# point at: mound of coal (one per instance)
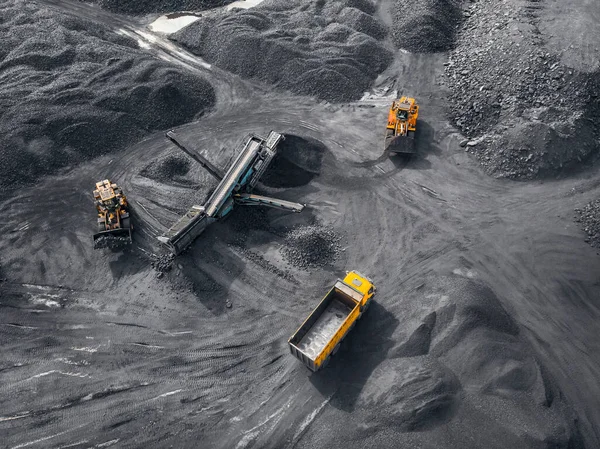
(163, 262)
(72, 90)
(458, 357)
(426, 26)
(311, 246)
(149, 6)
(329, 50)
(411, 399)
(111, 242)
(536, 116)
(168, 168)
(589, 219)
(298, 161)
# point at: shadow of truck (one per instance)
(360, 353)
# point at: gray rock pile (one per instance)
(149, 6)
(588, 218)
(73, 90)
(426, 26)
(330, 50)
(537, 115)
(112, 242)
(168, 168)
(311, 246)
(162, 262)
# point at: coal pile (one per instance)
(329, 50)
(150, 6)
(162, 263)
(168, 168)
(426, 26)
(73, 90)
(535, 116)
(311, 246)
(113, 242)
(588, 218)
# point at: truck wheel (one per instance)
(326, 362)
(337, 347)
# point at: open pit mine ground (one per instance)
(483, 332)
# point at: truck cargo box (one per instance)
(320, 335)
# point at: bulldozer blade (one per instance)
(400, 144)
(113, 239)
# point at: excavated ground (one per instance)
(73, 89)
(482, 333)
(525, 88)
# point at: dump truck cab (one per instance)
(362, 284)
(321, 334)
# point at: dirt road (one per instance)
(97, 350)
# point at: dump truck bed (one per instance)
(327, 324)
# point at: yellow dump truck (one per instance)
(321, 334)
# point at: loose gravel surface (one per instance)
(168, 168)
(150, 6)
(589, 219)
(482, 333)
(311, 246)
(330, 50)
(426, 26)
(73, 90)
(527, 113)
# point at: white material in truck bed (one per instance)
(324, 328)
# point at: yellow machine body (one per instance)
(402, 126)
(114, 223)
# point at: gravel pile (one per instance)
(72, 90)
(265, 264)
(589, 219)
(112, 242)
(163, 262)
(427, 26)
(311, 246)
(330, 50)
(149, 6)
(536, 117)
(168, 168)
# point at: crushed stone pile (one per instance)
(471, 352)
(588, 218)
(168, 168)
(330, 50)
(532, 116)
(112, 242)
(73, 90)
(311, 246)
(427, 26)
(162, 262)
(150, 6)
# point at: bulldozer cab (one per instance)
(402, 114)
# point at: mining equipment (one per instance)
(402, 126)
(254, 155)
(321, 334)
(114, 222)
